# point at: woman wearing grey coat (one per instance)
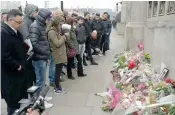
(30, 14)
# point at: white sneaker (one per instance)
(47, 105)
(100, 55)
(48, 98)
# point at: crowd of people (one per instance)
(45, 38)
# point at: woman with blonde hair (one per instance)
(57, 42)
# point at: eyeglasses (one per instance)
(18, 22)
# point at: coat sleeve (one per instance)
(34, 35)
(57, 41)
(6, 58)
(110, 27)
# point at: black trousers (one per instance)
(30, 72)
(58, 71)
(103, 45)
(96, 43)
(11, 110)
(88, 48)
(79, 66)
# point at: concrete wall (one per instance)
(159, 40)
(134, 30)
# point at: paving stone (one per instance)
(70, 99)
(68, 110)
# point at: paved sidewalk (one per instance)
(80, 98)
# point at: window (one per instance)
(162, 8)
(155, 4)
(171, 7)
(149, 8)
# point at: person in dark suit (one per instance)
(13, 61)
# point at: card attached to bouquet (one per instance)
(28, 45)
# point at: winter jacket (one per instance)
(107, 27)
(28, 20)
(58, 46)
(73, 43)
(13, 54)
(98, 26)
(38, 36)
(88, 28)
(80, 33)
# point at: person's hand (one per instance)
(34, 112)
(67, 35)
(20, 67)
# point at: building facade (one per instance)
(7, 5)
(153, 23)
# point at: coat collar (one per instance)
(11, 31)
(8, 28)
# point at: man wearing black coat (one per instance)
(97, 25)
(88, 30)
(13, 61)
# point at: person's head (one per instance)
(15, 19)
(71, 22)
(58, 12)
(87, 15)
(31, 11)
(4, 16)
(80, 20)
(105, 16)
(57, 22)
(97, 16)
(74, 16)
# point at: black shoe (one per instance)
(72, 78)
(85, 64)
(94, 63)
(82, 75)
(104, 53)
(87, 58)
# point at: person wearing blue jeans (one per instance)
(52, 72)
(41, 48)
(40, 71)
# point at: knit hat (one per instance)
(29, 10)
(86, 13)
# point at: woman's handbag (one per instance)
(71, 52)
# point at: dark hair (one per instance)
(4, 13)
(80, 18)
(70, 21)
(37, 9)
(14, 13)
(86, 13)
(105, 13)
(74, 14)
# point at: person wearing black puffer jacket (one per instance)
(41, 48)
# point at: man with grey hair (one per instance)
(13, 61)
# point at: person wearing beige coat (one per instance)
(57, 43)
